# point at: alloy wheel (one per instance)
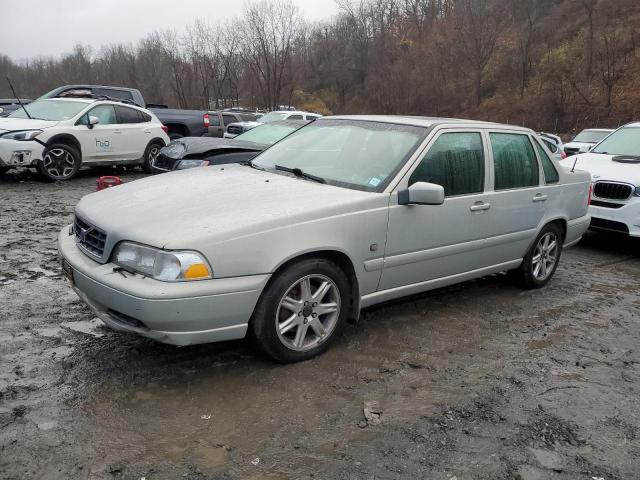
(545, 256)
(153, 153)
(308, 312)
(59, 163)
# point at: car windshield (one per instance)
(267, 134)
(625, 141)
(54, 110)
(272, 117)
(590, 136)
(355, 154)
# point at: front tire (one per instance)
(59, 162)
(150, 154)
(301, 311)
(541, 262)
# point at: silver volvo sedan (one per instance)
(345, 213)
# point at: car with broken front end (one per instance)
(191, 152)
(345, 213)
(58, 136)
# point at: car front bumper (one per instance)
(181, 313)
(15, 153)
(625, 219)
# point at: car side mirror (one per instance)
(92, 121)
(422, 193)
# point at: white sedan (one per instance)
(59, 135)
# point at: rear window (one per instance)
(227, 119)
(119, 94)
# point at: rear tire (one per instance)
(541, 261)
(301, 311)
(150, 154)
(59, 162)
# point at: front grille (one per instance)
(609, 225)
(234, 130)
(612, 191)
(89, 238)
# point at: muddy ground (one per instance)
(479, 381)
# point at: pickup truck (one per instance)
(180, 123)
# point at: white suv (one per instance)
(57, 136)
(614, 165)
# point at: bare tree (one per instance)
(269, 30)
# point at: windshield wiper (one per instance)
(250, 163)
(301, 174)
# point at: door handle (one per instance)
(540, 198)
(478, 207)
(117, 131)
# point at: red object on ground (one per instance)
(107, 182)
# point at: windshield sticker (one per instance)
(375, 181)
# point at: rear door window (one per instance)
(128, 115)
(455, 161)
(550, 172)
(514, 161)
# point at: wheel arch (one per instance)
(559, 220)
(156, 140)
(67, 139)
(342, 260)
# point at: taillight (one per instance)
(563, 155)
(164, 128)
(205, 118)
(590, 193)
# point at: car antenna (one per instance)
(19, 101)
(575, 162)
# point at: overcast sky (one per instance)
(50, 27)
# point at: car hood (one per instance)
(11, 124)
(189, 146)
(603, 167)
(186, 209)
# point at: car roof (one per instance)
(598, 130)
(70, 99)
(424, 121)
(632, 124)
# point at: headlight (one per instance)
(22, 135)
(185, 164)
(163, 265)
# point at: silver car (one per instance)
(345, 213)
